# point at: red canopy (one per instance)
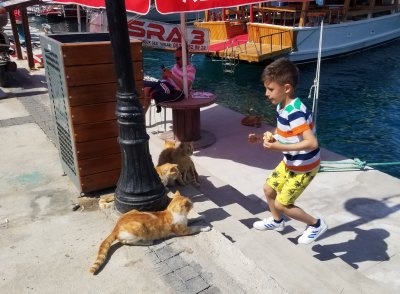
(165, 6)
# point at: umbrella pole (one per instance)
(139, 186)
(78, 16)
(184, 54)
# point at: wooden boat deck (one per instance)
(251, 52)
(250, 42)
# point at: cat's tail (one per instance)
(102, 254)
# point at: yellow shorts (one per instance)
(289, 184)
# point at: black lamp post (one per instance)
(139, 186)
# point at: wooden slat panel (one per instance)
(91, 94)
(95, 53)
(258, 30)
(99, 164)
(222, 30)
(93, 113)
(98, 148)
(100, 181)
(97, 74)
(217, 29)
(96, 131)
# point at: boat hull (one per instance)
(344, 38)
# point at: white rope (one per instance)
(316, 80)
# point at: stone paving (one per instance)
(178, 274)
(356, 205)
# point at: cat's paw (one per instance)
(205, 229)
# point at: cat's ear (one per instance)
(188, 204)
(189, 146)
(177, 193)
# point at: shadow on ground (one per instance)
(355, 250)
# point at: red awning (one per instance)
(169, 6)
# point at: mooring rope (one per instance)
(315, 87)
(356, 163)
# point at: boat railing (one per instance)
(292, 16)
(272, 40)
(248, 45)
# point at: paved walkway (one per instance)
(49, 247)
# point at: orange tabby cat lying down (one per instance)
(137, 228)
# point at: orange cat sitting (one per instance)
(137, 228)
(181, 156)
(169, 174)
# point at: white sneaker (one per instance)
(269, 224)
(311, 233)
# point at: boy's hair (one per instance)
(281, 71)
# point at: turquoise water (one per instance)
(358, 106)
(359, 100)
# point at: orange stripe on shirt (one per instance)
(304, 168)
(294, 132)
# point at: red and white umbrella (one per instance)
(168, 7)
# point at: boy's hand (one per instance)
(253, 139)
(271, 145)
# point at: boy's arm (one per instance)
(309, 142)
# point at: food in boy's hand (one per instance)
(269, 137)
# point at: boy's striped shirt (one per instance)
(292, 121)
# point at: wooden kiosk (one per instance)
(82, 88)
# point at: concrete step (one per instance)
(276, 253)
(232, 213)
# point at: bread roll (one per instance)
(269, 137)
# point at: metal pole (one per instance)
(78, 16)
(139, 186)
(15, 34)
(184, 54)
(27, 34)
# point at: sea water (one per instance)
(358, 113)
(358, 103)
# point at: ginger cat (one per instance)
(169, 144)
(136, 227)
(169, 174)
(181, 156)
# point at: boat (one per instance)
(71, 11)
(269, 30)
(49, 11)
(56, 11)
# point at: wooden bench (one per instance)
(186, 115)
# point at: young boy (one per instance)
(294, 137)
